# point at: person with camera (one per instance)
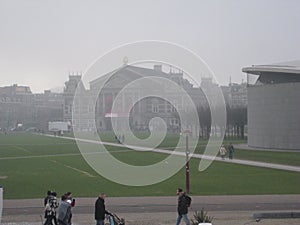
(51, 204)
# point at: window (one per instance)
(154, 108)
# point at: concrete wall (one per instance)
(274, 116)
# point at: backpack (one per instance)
(188, 200)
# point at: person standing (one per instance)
(1, 201)
(64, 211)
(51, 205)
(223, 152)
(231, 151)
(47, 197)
(183, 204)
(71, 201)
(100, 210)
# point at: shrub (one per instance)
(201, 217)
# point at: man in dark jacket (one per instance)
(231, 151)
(182, 207)
(100, 210)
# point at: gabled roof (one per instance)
(127, 74)
(132, 72)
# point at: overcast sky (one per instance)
(41, 41)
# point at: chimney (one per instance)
(157, 68)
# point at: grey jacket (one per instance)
(64, 213)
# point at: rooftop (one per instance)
(290, 67)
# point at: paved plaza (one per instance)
(227, 210)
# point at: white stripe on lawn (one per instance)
(73, 168)
(67, 154)
(197, 156)
(21, 148)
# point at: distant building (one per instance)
(16, 106)
(85, 117)
(226, 93)
(79, 114)
(238, 95)
(48, 108)
(209, 87)
(274, 105)
(235, 95)
(68, 95)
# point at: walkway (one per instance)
(227, 210)
(197, 156)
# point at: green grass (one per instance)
(286, 158)
(58, 167)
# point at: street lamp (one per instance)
(187, 164)
(1, 201)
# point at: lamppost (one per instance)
(187, 164)
(1, 201)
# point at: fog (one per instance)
(41, 41)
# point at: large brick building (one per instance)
(85, 116)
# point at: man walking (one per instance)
(100, 210)
(183, 204)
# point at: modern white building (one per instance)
(274, 105)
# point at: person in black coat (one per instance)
(100, 210)
(231, 151)
(182, 207)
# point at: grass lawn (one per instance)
(171, 140)
(30, 165)
(287, 158)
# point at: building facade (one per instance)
(93, 111)
(274, 106)
(48, 107)
(238, 95)
(18, 105)
(148, 108)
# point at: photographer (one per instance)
(51, 204)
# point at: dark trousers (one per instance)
(99, 222)
(61, 223)
(49, 220)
